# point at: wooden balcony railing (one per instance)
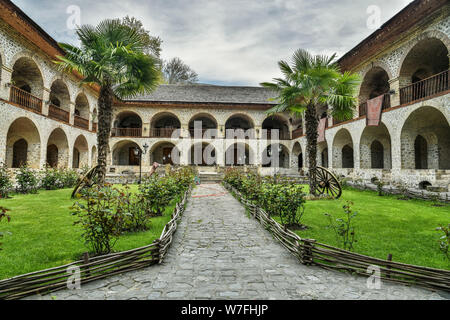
(282, 135)
(57, 113)
(25, 99)
(81, 122)
(162, 132)
(297, 133)
(126, 132)
(425, 88)
(363, 106)
(192, 132)
(94, 127)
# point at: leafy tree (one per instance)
(113, 57)
(311, 83)
(176, 71)
(152, 44)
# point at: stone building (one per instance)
(48, 119)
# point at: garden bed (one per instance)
(55, 278)
(311, 252)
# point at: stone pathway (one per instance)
(220, 253)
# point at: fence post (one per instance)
(307, 254)
(86, 261)
(389, 258)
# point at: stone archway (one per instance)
(23, 144)
(124, 155)
(276, 155)
(375, 148)
(428, 138)
(165, 153)
(58, 149)
(80, 153)
(343, 155)
(297, 156)
(239, 154)
(202, 154)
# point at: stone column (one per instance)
(71, 113)
(184, 130)
(45, 101)
(395, 85)
(145, 129)
(5, 77)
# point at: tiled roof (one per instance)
(202, 93)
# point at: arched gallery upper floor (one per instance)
(30, 80)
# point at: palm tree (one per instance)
(112, 56)
(311, 83)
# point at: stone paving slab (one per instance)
(219, 252)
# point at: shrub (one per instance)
(157, 193)
(3, 215)
(5, 182)
(51, 179)
(136, 217)
(444, 240)
(233, 177)
(69, 178)
(344, 227)
(26, 180)
(285, 200)
(101, 216)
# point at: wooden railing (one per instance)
(192, 132)
(386, 105)
(81, 122)
(57, 113)
(126, 132)
(297, 133)
(162, 132)
(25, 99)
(94, 127)
(425, 88)
(282, 135)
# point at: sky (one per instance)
(228, 42)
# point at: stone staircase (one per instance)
(210, 177)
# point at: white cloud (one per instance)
(229, 41)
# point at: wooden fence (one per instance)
(54, 279)
(311, 252)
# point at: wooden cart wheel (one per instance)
(327, 183)
(85, 182)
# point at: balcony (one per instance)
(425, 88)
(94, 127)
(282, 135)
(81, 122)
(57, 113)
(297, 133)
(25, 99)
(126, 132)
(363, 106)
(162, 132)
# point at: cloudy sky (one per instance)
(229, 42)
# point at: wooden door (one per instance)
(167, 156)
(133, 159)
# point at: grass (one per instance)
(384, 225)
(43, 235)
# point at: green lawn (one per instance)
(43, 235)
(384, 225)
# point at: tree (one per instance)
(176, 71)
(112, 56)
(152, 45)
(310, 83)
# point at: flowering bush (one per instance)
(278, 196)
(27, 181)
(3, 215)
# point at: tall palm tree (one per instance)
(310, 83)
(111, 56)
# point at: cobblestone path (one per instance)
(220, 253)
